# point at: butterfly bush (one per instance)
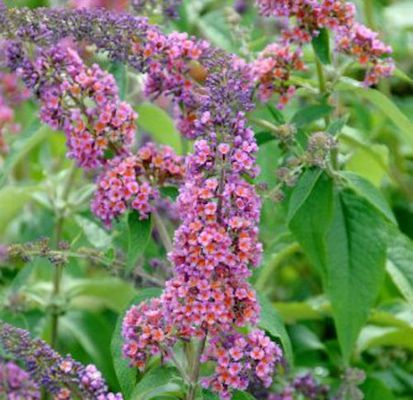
(208, 299)
(16, 384)
(310, 17)
(63, 377)
(131, 182)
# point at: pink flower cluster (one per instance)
(15, 383)
(11, 95)
(84, 103)
(130, 182)
(146, 333)
(173, 69)
(240, 360)
(363, 43)
(273, 69)
(209, 297)
(310, 16)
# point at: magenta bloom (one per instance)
(16, 384)
(132, 182)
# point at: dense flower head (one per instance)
(352, 38)
(83, 102)
(15, 383)
(363, 43)
(173, 61)
(146, 333)
(60, 376)
(132, 182)
(272, 70)
(239, 360)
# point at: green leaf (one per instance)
(321, 46)
(374, 389)
(120, 73)
(208, 395)
(384, 104)
(304, 339)
(302, 191)
(271, 322)
(276, 114)
(241, 395)
(93, 332)
(214, 27)
(379, 336)
(264, 137)
(369, 160)
(110, 292)
(157, 382)
(125, 374)
(133, 236)
(12, 200)
(95, 235)
(310, 214)
(336, 126)
(355, 258)
(160, 125)
(399, 263)
(29, 139)
(365, 189)
(309, 114)
(343, 236)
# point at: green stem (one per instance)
(265, 124)
(195, 367)
(58, 271)
(322, 85)
(369, 13)
(163, 232)
(278, 258)
(100, 260)
(322, 82)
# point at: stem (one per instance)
(58, 271)
(178, 365)
(101, 260)
(369, 13)
(276, 260)
(195, 366)
(163, 232)
(265, 124)
(322, 85)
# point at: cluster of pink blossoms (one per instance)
(209, 296)
(11, 95)
(15, 383)
(311, 16)
(273, 67)
(239, 359)
(130, 182)
(146, 333)
(174, 69)
(84, 103)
